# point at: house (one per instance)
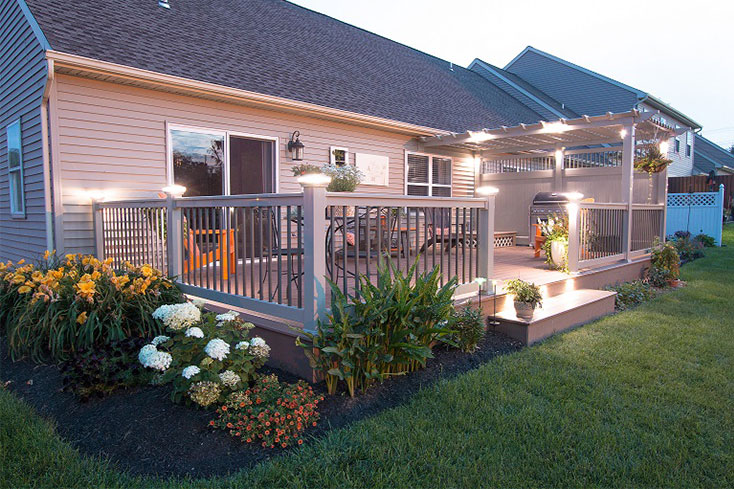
(710, 156)
(110, 110)
(565, 89)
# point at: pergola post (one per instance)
(628, 182)
(558, 169)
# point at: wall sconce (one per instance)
(295, 146)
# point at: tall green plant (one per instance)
(384, 329)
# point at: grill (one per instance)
(545, 205)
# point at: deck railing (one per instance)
(272, 253)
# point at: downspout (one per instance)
(47, 178)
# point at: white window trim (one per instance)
(16, 213)
(225, 135)
(332, 160)
(430, 183)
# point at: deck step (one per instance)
(559, 313)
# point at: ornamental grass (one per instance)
(59, 306)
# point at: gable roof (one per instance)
(280, 49)
(708, 156)
(582, 90)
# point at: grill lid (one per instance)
(550, 198)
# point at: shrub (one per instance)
(99, 371)
(344, 178)
(62, 306)
(525, 292)
(208, 355)
(271, 413)
(630, 294)
(664, 265)
(467, 328)
(688, 249)
(384, 329)
(706, 240)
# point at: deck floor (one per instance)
(251, 279)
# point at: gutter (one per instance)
(96, 67)
(47, 178)
(662, 106)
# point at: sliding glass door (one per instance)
(251, 165)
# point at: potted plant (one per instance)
(344, 178)
(527, 298)
(651, 160)
(304, 169)
(555, 230)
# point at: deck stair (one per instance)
(559, 313)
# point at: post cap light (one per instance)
(174, 190)
(487, 190)
(314, 180)
(573, 196)
(295, 146)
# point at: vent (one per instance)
(163, 3)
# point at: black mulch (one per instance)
(143, 432)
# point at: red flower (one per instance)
(300, 442)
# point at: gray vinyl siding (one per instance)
(22, 81)
(583, 93)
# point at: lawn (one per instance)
(639, 399)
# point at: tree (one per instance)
(731, 149)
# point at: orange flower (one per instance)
(81, 318)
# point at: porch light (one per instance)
(295, 146)
(573, 196)
(623, 133)
(664, 147)
(314, 180)
(479, 137)
(487, 190)
(555, 127)
(174, 190)
(96, 195)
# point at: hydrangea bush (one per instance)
(207, 357)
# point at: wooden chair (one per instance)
(539, 241)
(195, 258)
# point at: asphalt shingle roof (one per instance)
(708, 156)
(278, 48)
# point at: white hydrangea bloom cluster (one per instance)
(227, 316)
(259, 348)
(194, 332)
(178, 316)
(150, 357)
(190, 371)
(242, 345)
(159, 339)
(218, 349)
(229, 378)
(200, 303)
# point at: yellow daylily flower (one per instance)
(81, 318)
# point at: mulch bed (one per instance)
(143, 432)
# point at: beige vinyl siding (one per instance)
(22, 81)
(113, 137)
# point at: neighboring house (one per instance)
(108, 94)
(565, 89)
(709, 156)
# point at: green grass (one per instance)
(640, 399)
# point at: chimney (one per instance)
(163, 3)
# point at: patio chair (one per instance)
(214, 240)
(438, 223)
(278, 252)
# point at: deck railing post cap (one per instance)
(314, 180)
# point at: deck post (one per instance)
(485, 257)
(314, 253)
(97, 218)
(174, 257)
(574, 243)
(628, 182)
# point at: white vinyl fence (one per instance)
(699, 212)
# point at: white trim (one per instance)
(226, 190)
(430, 183)
(332, 161)
(17, 213)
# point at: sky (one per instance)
(680, 51)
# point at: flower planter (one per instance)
(558, 253)
(524, 311)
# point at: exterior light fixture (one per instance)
(96, 195)
(295, 146)
(487, 190)
(664, 147)
(573, 196)
(314, 180)
(174, 190)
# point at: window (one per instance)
(15, 170)
(688, 143)
(428, 175)
(338, 156)
(677, 145)
(210, 162)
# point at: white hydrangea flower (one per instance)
(145, 353)
(259, 348)
(190, 371)
(242, 345)
(194, 332)
(200, 303)
(150, 357)
(178, 316)
(217, 349)
(159, 339)
(227, 316)
(229, 378)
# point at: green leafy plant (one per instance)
(344, 178)
(706, 240)
(270, 413)
(631, 294)
(385, 329)
(664, 264)
(304, 169)
(207, 356)
(101, 370)
(555, 229)
(525, 292)
(63, 305)
(467, 328)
